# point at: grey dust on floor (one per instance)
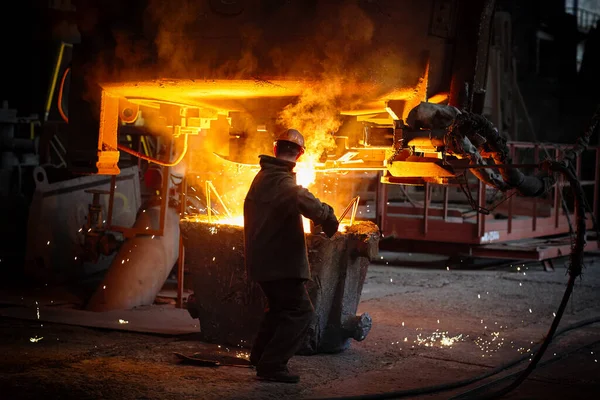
(430, 326)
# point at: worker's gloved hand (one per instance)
(330, 226)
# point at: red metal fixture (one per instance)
(515, 235)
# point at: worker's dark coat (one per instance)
(273, 233)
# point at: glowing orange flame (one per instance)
(305, 173)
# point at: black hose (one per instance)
(467, 394)
(464, 382)
(565, 167)
(574, 271)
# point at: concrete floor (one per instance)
(431, 327)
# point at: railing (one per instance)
(523, 220)
(586, 20)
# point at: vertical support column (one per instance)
(513, 157)
(596, 182)
(164, 198)
(108, 155)
(164, 193)
(557, 193)
(481, 204)
(578, 175)
(111, 200)
(474, 19)
(181, 258)
(382, 195)
(445, 209)
(139, 149)
(426, 208)
(536, 160)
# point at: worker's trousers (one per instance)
(284, 326)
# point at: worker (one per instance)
(276, 256)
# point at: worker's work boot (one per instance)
(281, 375)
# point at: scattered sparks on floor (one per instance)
(244, 355)
(122, 321)
(490, 345)
(438, 338)
(35, 339)
(523, 350)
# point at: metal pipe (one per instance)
(141, 267)
(54, 80)
(354, 210)
(348, 207)
(58, 154)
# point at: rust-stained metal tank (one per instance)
(230, 307)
